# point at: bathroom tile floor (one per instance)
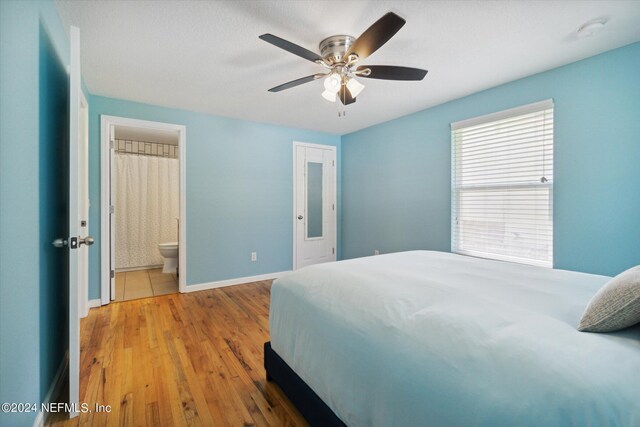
(144, 283)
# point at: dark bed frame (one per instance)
(315, 411)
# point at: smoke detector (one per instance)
(592, 27)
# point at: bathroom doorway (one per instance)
(143, 202)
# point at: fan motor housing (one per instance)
(333, 48)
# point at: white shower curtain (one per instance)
(146, 208)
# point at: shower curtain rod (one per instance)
(155, 149)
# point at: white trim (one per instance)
(105, 123)
(504, 114)
(105, 272)
(238, 281)
(93, 303)
(54, 389)
(333, 148)
(311, 145)
(295, 208)
(182, 222)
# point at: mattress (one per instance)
(436, 339)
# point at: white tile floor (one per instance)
(144, 283)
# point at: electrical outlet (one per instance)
(254, 256)
(376, 252)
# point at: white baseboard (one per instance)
(93, 303)
(54, 389)
(231, 282)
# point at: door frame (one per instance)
(83, 133)
(106, 122)
(297, 144)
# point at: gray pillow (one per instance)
(615, 306)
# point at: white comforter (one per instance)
(436, 339)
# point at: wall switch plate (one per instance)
(254, 256)
(376, 252)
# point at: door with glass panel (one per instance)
(314, 204)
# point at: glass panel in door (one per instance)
(314, 200)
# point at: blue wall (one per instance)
(396, 182)
(32, 43)
(239, 190)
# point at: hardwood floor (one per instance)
(181, 359)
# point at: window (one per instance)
(502, 185)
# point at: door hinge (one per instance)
(112, 209)
(333, 206)
(113, 274)
(333, 250)
(333, 162)
(111, 144)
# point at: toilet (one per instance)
(169, 251)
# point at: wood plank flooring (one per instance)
(181, 359)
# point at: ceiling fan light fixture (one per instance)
(329, 96)
(355, 87)
(333, 83)
(340, 55)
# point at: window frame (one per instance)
(457, 189)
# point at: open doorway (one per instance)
(143, 209)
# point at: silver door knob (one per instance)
(86, 241)
(60, 243)
(299, 216)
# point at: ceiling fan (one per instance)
(340, 56)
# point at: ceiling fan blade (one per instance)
(297, 82)
(391, 72)
(376, 35)
(345, 95)
(291, 47)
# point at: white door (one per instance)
(83, 205)
(76, 185)
(314, 204)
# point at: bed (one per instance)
(427, 338)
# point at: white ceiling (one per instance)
(131, 133)
(206, 56)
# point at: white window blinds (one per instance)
(502, 185)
